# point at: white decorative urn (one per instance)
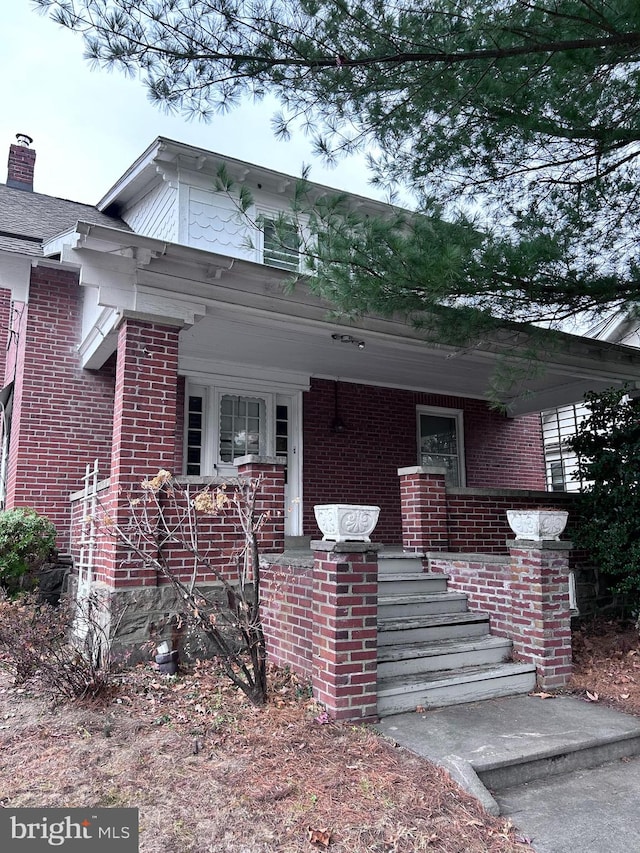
(537, 523)
(346, 522)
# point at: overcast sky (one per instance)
(89, 126)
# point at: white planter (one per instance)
(346, 522)
(537, 523)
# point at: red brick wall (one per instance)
(287, 597)
(486, 583)
(62, 416)
(540, 613)
(144, 428)
(321, 619)
(219, 537)
(478, 523)
(360, 464)
(501, 452)
(144, 414)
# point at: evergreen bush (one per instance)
(608, 447)
(27, 540)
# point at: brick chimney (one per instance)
(21, 163)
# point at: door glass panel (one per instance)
(242, 426)
(282, 431)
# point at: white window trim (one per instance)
(458, 415)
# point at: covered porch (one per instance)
(216, 359)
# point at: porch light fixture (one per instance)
(337, 424)
(348, 339)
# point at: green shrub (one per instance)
(27, 540)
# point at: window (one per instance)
(558, 425)
(281, 245)
(440, 442)
(194, 434)
(556, 477)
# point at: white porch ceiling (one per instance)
(245, 323)
(266, 344)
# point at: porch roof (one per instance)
(244, 320)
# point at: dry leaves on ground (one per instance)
(606, 656)
(210, 773)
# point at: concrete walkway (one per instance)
(565, 771)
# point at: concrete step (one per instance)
(573, 757)
(420, 604)
(401, 694)
(425, 629)
(417, 658)
(406, 583)
(403, 563)
(513, 742)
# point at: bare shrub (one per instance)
(165, 519)
(39, 641)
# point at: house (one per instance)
(152, 331)
(559, 424)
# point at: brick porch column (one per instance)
(144, 428)
(540, 614)
(345, 631)
(271, 497)
(423, 502)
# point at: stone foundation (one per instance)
(142, 617)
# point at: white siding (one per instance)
(205, 219)
(214, 223)
(156, 215)
(560, 424)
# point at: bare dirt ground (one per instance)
(209, 772)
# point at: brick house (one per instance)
(152, 331)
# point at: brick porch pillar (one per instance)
(423, 502)
(540, 614)
(144, 428)
(270, 502)
(345, 632)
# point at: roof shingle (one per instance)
(27, 219)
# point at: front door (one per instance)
(223, 423)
